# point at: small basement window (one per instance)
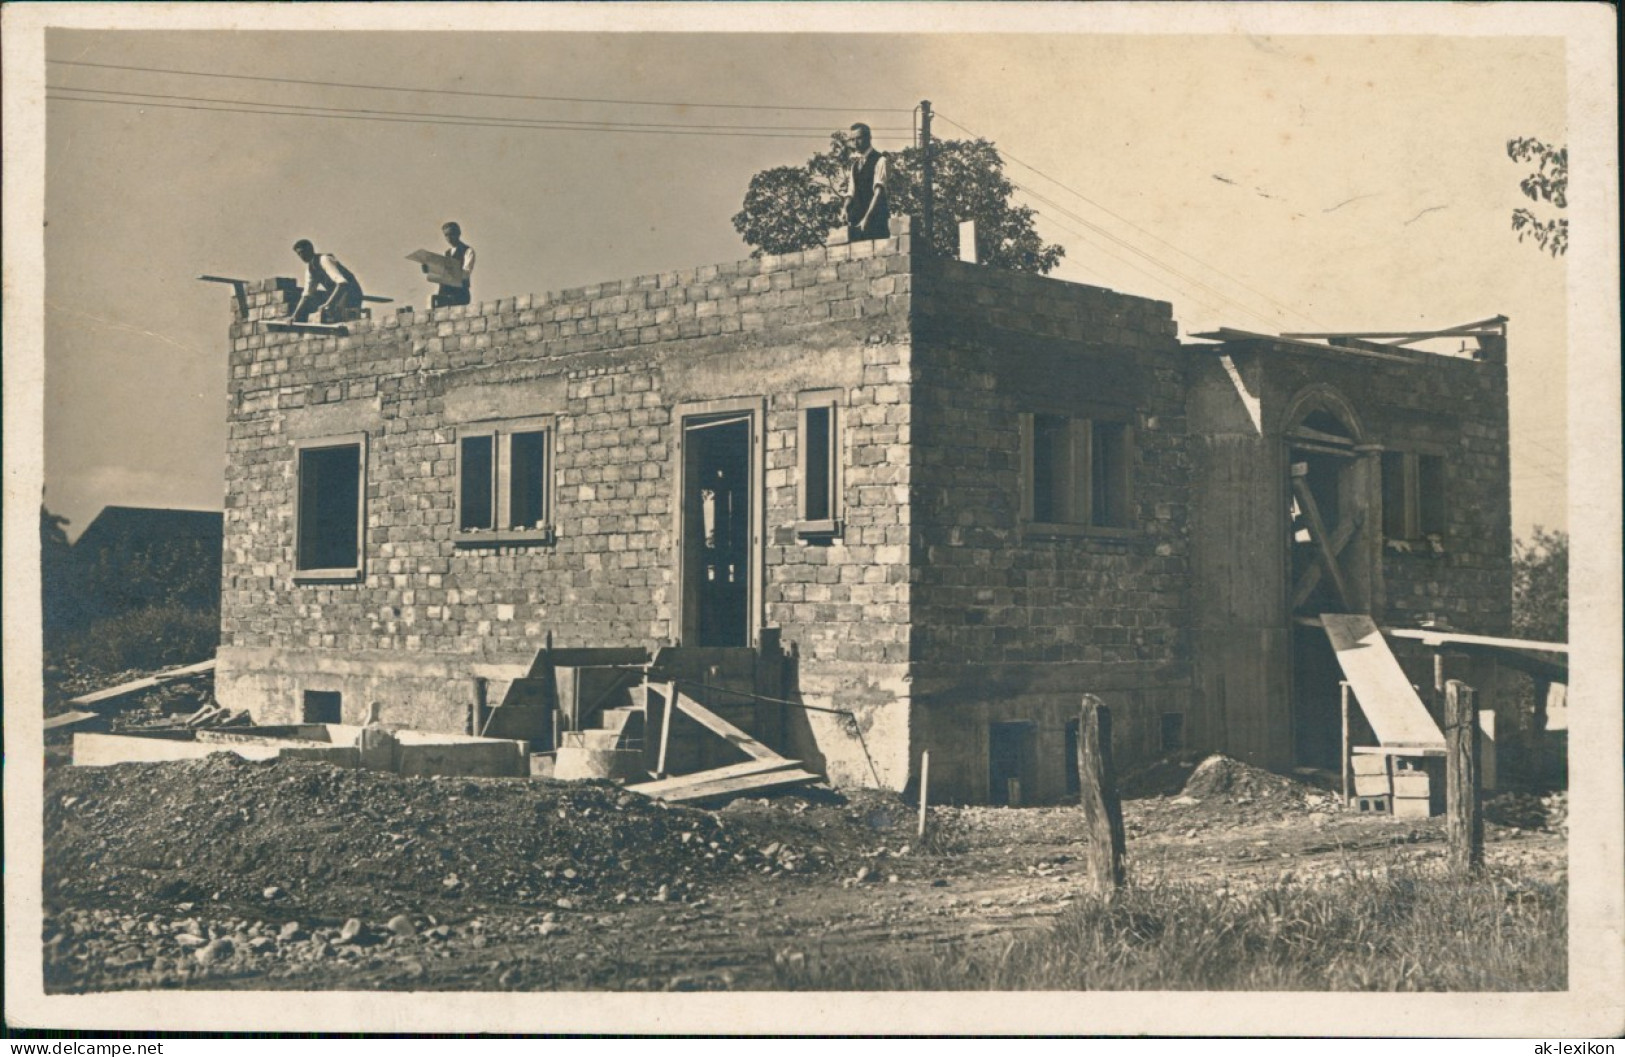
(329, 508)
(505, 484)
(1077, 472)
(322, 706)
(818, 462)
(1413, 495)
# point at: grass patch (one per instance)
(1382, 930)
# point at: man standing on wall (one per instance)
(868, 213)
(324, 275)
(463, 254)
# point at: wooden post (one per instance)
(1097, 782)
(1463, 800)
(1343, 761)
(665, 727)
(925, 783)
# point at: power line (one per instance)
(426, 121)
(482, 95)
(539, 122)
(1130, 264)
(1238, 306)
(1143, 231)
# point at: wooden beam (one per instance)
(1433, 637)
(1311, 576)
(665, 728)
(679, 782)
(1229, 334)
(721, 727)
(239, 287)
(113, 693)
(1449, 332)
(1317, 532)
(742, 784)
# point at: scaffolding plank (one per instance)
(1386, 697)
(743, 784)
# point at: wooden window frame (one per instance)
(1414, 527)
(1080, 430)
(333, 574)
(503, 532)
(831, 526)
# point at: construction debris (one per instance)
(112, 695)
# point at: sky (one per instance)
(1263, 182)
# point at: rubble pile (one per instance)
(312, 838)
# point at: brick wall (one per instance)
(612, 362)
(1012, 624)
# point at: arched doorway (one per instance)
(1331, 567)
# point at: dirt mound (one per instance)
(321, 838)
(1165, 776)
(1220, 775)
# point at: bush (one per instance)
(149, 638)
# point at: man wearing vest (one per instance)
(868, 213)
(463, 254)
(324, 275)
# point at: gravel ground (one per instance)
(223, 873)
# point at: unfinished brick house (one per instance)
(938, 500)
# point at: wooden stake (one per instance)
(665, 727)
(1097, 781)
(1464, 825)
(925, 782)
(1343, 764)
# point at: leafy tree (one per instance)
(1540, 587)
(792, 208)
(1548, 183)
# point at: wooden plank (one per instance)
(135, 686)
(744, 784)
(1340, 541)
(1317, 530)
(680, 782)
(1386, 696)
(1102, 810)
(1465, 328)
(283, 327)
(1398, 751)
(1432, 637)
(670, 694)
(71, 720)
(721, 727)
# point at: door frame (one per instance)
(684, 624)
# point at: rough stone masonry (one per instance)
(948, 499)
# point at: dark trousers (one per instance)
(449, 295)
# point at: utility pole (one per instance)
(928, 191)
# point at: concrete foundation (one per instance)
(403, 752)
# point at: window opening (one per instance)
(1078, 471)
(322, 706)
(477, 506)
(329, 519)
